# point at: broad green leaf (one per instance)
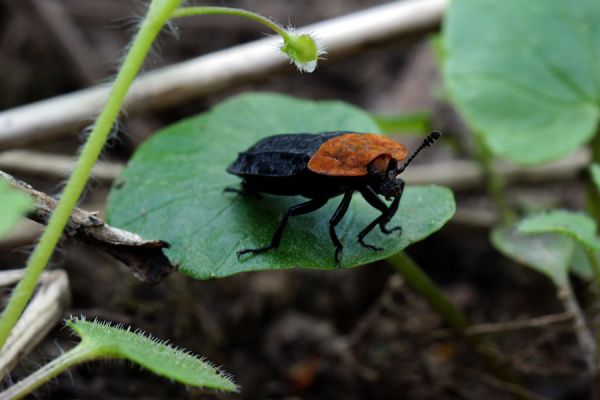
(163, 359)
(525, 73)
(595, 169)
(172, 189)
(14, 205)
(573, 224)
(547, 253)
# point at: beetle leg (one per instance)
(364, 233)
(386, 215)
(298, 209)
(369, 195)
(335, 219)
(391, 211)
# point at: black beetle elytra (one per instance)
(324, 165)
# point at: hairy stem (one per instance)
(189, 11)
(419, 281)
(158, 14)
(77, 355)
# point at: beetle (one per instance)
(320, 166)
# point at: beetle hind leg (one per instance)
(298, 209)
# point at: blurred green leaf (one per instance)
(436, 43)
(14, 205)
(525, 73)
(580, 264)
(577, 225)
(163, 359)
(418, 123)
(547, 253)
(172, 189)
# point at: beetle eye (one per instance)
(392, 165)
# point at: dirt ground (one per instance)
(298, 334)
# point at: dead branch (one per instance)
(206, 74)
(53, 165)
(531, 323)
(44, 311)
(144, 257)
(464, 174)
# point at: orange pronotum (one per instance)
(351, 154)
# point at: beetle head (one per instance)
(382, 177)
(383, 170)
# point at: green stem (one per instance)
(583, 333)
(496, 186)
(189, 11)
(593, 260)
(158, 14)
(436, 298)
(593, 193)
(77, 355)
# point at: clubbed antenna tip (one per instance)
(428, 141)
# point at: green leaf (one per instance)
(547, 253)
(573, 224)
(525, 73)
(172, 189)
(580, 265)
(417, 123)
(106, 341)
(14, 205)
(595, 169)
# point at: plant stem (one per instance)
(77, 355)
(495, 183)
(593, 260)
(593, 193)
(582, 331)
(158, 14)
(189, 11)
(436, 298)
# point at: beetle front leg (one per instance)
(391, 211)
(298, 209)
(387, 213)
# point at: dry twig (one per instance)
(144, 257)
(53, 165)
(43, 312)
(531, 323)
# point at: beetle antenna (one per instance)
(428, 141)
